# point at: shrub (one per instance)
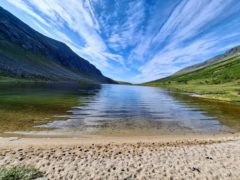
(19, 173)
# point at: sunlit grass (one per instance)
(220, 81)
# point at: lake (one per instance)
(72, 110)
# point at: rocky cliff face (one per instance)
(26, 53)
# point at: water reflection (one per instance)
(25, 106)
(72, 110)
(132, 110)
(227, 114)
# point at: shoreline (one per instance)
(208, 95)
(152, 157)
(102, 140)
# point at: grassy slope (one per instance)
(123, 83)
(26, 66)
(4, 79)
(34, 63)
(220, 81)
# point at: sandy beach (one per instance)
(186, 157)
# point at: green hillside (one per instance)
(21, 65)
(27, 55)
(219, 81)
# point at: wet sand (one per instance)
(153, 157)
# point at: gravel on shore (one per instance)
(208, 158)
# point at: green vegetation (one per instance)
(36, 66)
(5, 79)
(220, 81)
(123, 83)
(20, 173)
(27, 54)
(18, 65)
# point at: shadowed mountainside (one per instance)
(27, 54)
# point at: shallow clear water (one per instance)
(121, 110)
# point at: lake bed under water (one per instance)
(111, 110)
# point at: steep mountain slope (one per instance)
(217, 81)
(231, 53)
(25, 53)
(218, 73)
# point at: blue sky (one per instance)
(136, 40)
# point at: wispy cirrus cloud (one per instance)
(78, 18)
(137, 40)
(193, 32)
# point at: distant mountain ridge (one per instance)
(25, 53)
(218, 81)
(221, 69)
(231, 53)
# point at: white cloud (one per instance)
(186, 22)
(79, 16)
(137, 36)
(21, 5)
(123, 35)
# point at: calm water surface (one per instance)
(73, 110)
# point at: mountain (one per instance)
(27, 54)
(219, 80)
(231, 53)
(217, 73)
